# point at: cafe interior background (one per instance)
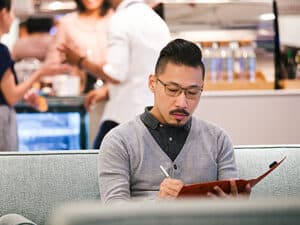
(261, 107)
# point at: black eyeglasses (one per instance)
(174, 90)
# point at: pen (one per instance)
(164, 171)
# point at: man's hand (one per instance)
(95, 96)
(233, 191)
(170, 188)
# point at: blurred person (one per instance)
(10, 90)
(136, 34)
(36, 42)
(190, 149)
(85, 30)
(22, 32)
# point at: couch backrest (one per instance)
(32, 184)
(188, 212)
(284, 181)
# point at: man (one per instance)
(136, 34)
(191, 150)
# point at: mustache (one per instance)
(181, 111)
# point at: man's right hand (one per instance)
(170, 188)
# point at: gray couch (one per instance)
(32, 184)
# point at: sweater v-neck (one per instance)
(157, 147)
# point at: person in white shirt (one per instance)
(136, 34)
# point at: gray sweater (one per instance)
(129, 160)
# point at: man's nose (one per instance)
(181, 100)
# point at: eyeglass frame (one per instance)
(181, 89)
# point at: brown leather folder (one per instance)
(201, 189)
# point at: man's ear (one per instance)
(151, 82)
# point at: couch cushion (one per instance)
(32, 184)
(252, 161)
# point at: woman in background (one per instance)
(85, 30)
(10, 91)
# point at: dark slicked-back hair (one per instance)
(5, 4)
(180, 52)
(103, 9)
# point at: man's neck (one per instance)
(156, 114)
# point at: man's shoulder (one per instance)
(207, 125)
(209, 131)
(127, 128)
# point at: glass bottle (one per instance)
(207, 58)
(248, 62)
(226, 69)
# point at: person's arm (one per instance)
(18, 49)
(114, 169)
(118, 54)
(225, 157)
(227, 168)
(14, 92)
(53, 54)
(74, 58)
(95, 96)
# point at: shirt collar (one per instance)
(153, 123)
(125, 3)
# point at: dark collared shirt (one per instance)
(170, 138)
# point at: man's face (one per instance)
(172, 104)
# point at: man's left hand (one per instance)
(233, 191)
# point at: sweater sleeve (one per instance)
(226, 160)
(114, 169)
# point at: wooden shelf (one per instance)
(290, 84)
(238, 85)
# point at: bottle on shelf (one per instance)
(214, 62)
(225, 68)
(207, 58)
(237, 57)
(248, 61)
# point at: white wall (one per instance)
(289, 30)
(254, 117)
